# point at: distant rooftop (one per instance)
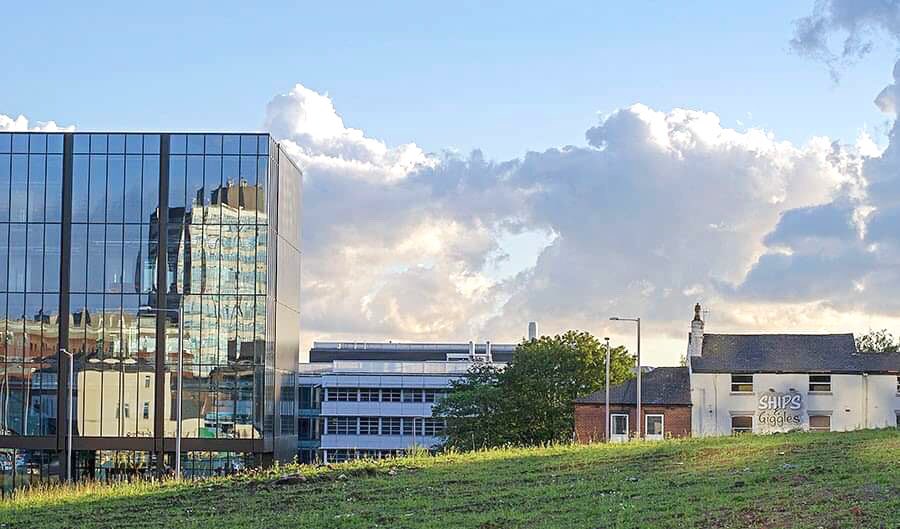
(661, 386)
(397, 351)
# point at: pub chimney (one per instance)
(695, 341)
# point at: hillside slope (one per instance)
(794, 480)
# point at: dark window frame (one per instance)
(819, 428)
(740, 384)
(820, 383)
(741, 429)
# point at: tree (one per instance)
(530, 401)
(473, 408)
(880, 341)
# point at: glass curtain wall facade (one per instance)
(142, 242)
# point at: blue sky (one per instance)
(657, 210)
(504, 78)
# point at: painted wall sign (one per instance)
(779, 412)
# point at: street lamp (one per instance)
(639, 418)
(607, 389)
(180, 312)
(69, 413)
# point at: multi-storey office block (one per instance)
(117, 247)
(371, 400)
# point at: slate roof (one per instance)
(789, 353)
(661, 386)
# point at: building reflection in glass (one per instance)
(216, 264)
(133, 271)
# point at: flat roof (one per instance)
(402, 351)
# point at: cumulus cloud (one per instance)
(843, 253)
(396, 241)
(319, 139)
(21, 124)
(656, 211)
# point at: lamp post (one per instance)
(69, 413)
(180, 312)
(639, 419)
(607, 389)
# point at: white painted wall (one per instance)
(855, 401)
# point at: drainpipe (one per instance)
(865, 400)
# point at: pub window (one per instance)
(898, 385)
(820, 383)
(741, 424)
(897, 419)
(146, 411)
(147, 381)
(820, 423)
(742, 383)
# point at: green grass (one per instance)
(790, 480)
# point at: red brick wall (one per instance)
(590, 420)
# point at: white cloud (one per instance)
(657, 210)
(319, 139)
(21, 124)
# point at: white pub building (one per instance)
(764, 383)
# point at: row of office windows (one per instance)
(122, 258)
(426, 426)
(97, 143)
(338, 455)
(101, 143)
(817, 384)
(384, 394)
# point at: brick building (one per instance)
(665, 408)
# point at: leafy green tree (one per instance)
(880, 341)
(530, 401)
(474, 409)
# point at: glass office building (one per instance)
(118, 248)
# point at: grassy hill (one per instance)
(793, 480)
